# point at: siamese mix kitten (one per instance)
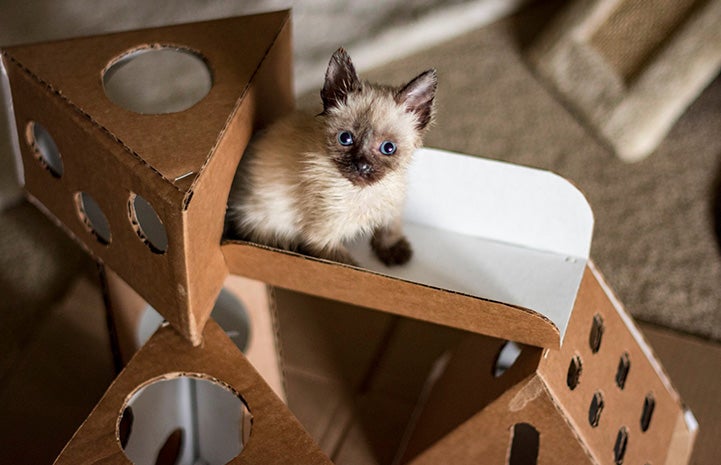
(311, 183)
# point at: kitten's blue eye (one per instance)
(388, 148)
(345, 138)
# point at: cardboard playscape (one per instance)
(522, 340)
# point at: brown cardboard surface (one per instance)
(181, 163)
(622, 407)
(232, 47)
(403, 298)
(276, 436)
(127, 308)
(466, 392)
(354, 375)
(486, 437)
(694, 365)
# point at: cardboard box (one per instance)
(179, 165)
(501, 254)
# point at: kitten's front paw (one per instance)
(396, 254)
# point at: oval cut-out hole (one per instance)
(44, 148)
(649, 403)
(186, 419)
(507, 356)
(157, 80)
(147, 224)
(229, 312)
(594, 411)
(524, 445)
(574, 372)
(596, 334)
(619, 448)
(624, 365)
(93, 217)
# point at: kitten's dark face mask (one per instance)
(372, 129)
(363, 156)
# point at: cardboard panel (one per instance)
(396, 296)
(622, 406)
(232, 48)
(276, 436)
(268, 97)
(488, 436)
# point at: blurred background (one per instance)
(657, 219)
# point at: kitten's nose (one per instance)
(363, 167)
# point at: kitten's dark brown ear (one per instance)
(340, 79)
(417, 96)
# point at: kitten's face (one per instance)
(373, 130)
(370, 135)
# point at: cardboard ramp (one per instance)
(498, 250)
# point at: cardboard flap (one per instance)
(275, 436)
(176, 145)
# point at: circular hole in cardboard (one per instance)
(574, 372)
(92, 216)
(595, 409)
(649, 404)
(157, 79)
(44, 148)
(507, 356)
(147, 224)
(624, 366)
(186, 418)
(229, 312)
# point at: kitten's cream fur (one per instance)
(297, 188)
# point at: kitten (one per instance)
(310, 183)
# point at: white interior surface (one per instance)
(493, 230)
(210, 416)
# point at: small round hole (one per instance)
(596, 334)
(93, 217)
(147, 224)
(594, 411)
(228, 311)
(574, 372)
(507, 356)
(619, 448)
(624, 365)
(649, 403)
(157, 80)
(44, 148)
(186, 419)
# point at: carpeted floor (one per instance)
(654, 237)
